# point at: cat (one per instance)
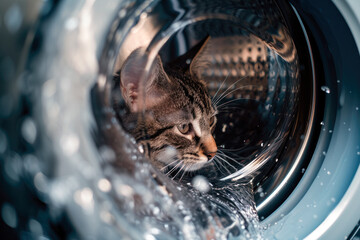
(169, 111)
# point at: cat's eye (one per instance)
(184, 128)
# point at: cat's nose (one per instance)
(210, 155)
(209, 147)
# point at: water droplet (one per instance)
(104, 185)
(342, 97)
(31, 164)
(148, 236)
(6, 105)
(201, 183)
(40, 182)
(156, 210)
(141, 148)
(324, 153)
(13, 18)
(357, 108)
(338, 81)
(49, 88)
(13, 167)
(71, 23)
(29, 130)
(70, 143)
(325, 89)
(106, 216)
(224, 128)
(262, 144)
(315, 216)
(124, 190)
(358, 153)
(59, 192)
(122, 13)
(322, 123)
(302, 170)
(328, 173)
(3, 142)
(349, 129)
(8, 214)
(107, 154)
(155, 231)
(84, 197)
(35, 227)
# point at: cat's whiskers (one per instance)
(169, 164)
(223, 159)
(230, 101)
(218, 160)
(223, 82)
(185, 170)
(224, 110)
(183, 165)
(174, 168)
(234, 90)
(230, 158)
(227, 89)
(221, 96)
(217, 163)
(237, 150)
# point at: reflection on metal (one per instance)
(280, 185)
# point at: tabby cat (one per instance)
(174, 116)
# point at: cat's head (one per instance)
(174, 112)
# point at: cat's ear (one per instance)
(137, 84)
(202, 59)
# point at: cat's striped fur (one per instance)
(173, 113)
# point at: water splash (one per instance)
(325, 89)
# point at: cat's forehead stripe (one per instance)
(193, 113)
(186, 92)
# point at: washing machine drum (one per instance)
(284, 80)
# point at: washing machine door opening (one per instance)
(251, 73)
(278, 105)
